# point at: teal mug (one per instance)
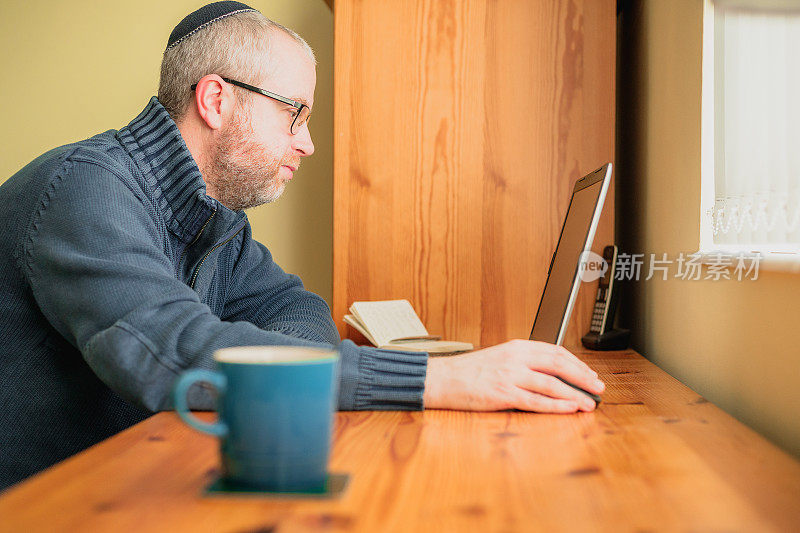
(275, 409)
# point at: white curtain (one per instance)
(756, 125)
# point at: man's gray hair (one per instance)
(235, 47)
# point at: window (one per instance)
(751, 127)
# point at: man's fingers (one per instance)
(560, 350)
(557, 365)
(574, 357)
(553, 387)
(531, 401)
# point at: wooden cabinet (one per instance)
(460, 127)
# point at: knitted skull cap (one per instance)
(203, 17)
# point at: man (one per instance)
(127, 258)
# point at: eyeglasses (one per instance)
(301, 116)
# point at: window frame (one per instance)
(774, 257)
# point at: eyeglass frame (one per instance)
(297, 105)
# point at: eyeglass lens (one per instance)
(302, 117)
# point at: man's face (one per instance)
(255, 154)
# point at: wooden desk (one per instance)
(654, 456)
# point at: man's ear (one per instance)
(215, 100)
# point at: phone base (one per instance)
(616, 339)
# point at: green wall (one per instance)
(734, 342)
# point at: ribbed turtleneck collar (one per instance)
(156, 145)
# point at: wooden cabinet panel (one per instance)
(459, 130)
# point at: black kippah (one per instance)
(203, 17)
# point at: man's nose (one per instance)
(302, 143)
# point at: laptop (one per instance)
(563, 276)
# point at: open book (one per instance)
(393, 325)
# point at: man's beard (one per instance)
(245, 173)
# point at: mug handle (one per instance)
(189, 378)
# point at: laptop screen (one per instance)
(576, 236)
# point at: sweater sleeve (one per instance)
(94, 257)
(373, 379)
(263, 294)
(260, 292)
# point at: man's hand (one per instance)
(516, 375)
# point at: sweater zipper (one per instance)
(197, 270)
(199, 233)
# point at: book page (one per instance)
(432, 347)
(353, 321)
(389, 320)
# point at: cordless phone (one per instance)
(602, 334)
(604, 305)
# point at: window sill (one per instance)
(770, 261)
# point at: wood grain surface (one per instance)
(654, 456)
(460, 128)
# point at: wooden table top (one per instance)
(654, 456)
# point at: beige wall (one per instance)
(733, 342)
(74, 69)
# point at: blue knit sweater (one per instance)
(117, 273)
